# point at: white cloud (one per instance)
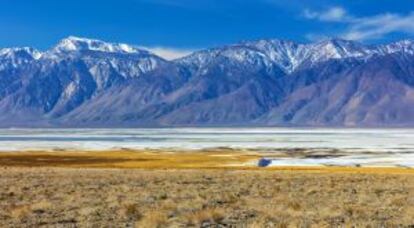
(332, 14)
(364, 28)
(380, 25)
(169, 53)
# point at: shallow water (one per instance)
(385, 147)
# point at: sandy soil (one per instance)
(75, 193)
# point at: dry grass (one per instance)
(145, 159)
(151, 188)
(221, 159)
(206, 216)
(153, 219)
(77, 197)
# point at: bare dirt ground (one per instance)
(82, 197)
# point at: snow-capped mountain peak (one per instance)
(15, 57)
(406, 46)
(338, 49)
(289, 56)
(91, 83)
(102, 59)
(285, 53)
(23, 52)
(76, 44)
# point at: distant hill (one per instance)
(90, 83)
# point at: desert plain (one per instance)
(210, 188)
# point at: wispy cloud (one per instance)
(169, 53)
(378, 26)
(334, 14)
(363, 28)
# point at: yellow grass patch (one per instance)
(171, 159)
(147, 159)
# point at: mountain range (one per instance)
(91, 83)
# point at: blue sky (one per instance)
(179, 25)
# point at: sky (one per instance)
(173, 28)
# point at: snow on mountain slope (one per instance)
(108, 63)
(73, 43)
(338, 49)
(85, 82)
(378, 92)
(61, 79)
(16, 52)
(289, 55)
(14, 57)
(128, 60)
(405, 46)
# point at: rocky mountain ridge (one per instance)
(91, 83)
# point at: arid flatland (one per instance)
(85, 195)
